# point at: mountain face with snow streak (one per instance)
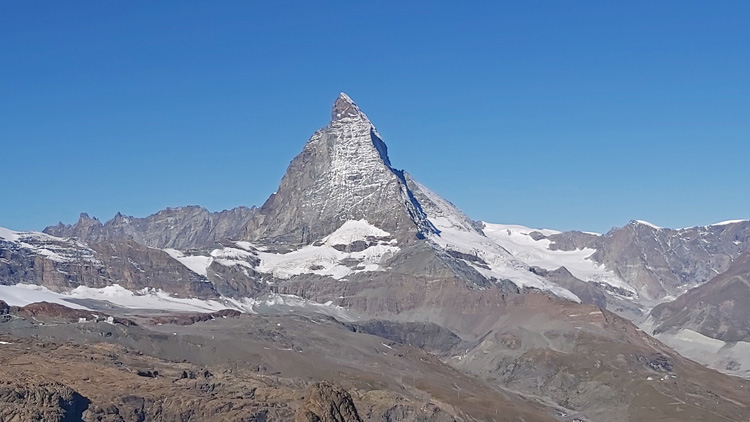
(663, 262)
(63, 264)
(342, 174)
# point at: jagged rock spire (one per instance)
(345, 107)
(343, 173)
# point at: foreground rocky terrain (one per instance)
(279, 367)
(356, 293)
(241, 367)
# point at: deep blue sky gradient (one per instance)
(567, 115)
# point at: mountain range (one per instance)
(638, 324)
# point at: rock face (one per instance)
(40, 402)
(720, 308)
(325, 402)
(64, 264)
(424, 335)
(136, 266)
(179, 228)
(192, 318)
(38, 258)
(343, 173)
(661, 262)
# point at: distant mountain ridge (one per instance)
(181, 228)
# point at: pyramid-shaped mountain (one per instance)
(341, 212)
(342, 174)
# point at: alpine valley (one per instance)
(355, 293)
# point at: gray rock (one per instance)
(179, 228)
(661, 262)
(64, 264)
(343, 173)
(720, 308)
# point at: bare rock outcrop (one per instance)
(660, 262)
(192, 318)
(326, 402)
(50, 401)
(719, 309)
(343, 173)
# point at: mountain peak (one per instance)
(345, 107)
(343, 173)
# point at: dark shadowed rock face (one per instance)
(325, 402)
(343, 173)
(180, 228)
(424, 335)
(40, 402)
(720, 308)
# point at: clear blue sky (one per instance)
(568, 115)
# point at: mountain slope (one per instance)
(711, 323)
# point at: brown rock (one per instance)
(44, 401)
(192, 318)
(325, 402)
(52, 311)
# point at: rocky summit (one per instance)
(355, 293)
(342, 174)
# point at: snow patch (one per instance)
(149, 298)
(9, 235)
(518, 241)
(500, 264)
(517, 229)
(326, 260)
(196, 263)
(24, 294)
(725, 223)
(646, 223)
(352, 231)
(246, 245)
